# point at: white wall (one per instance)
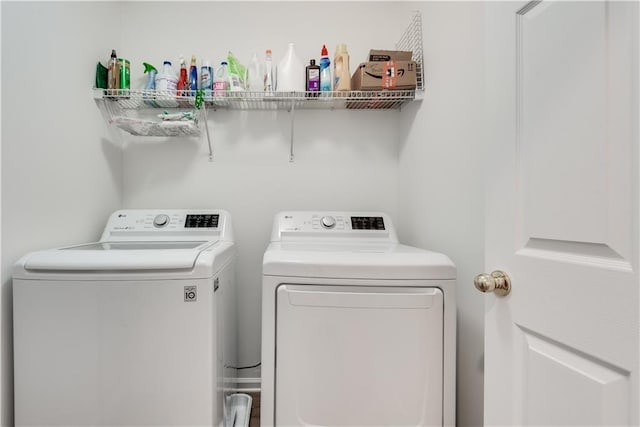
(441, 196)
(61, 173)
(344, 160)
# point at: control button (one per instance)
(328, 222)
(161, 220)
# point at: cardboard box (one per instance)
(376, 55)
(375, 75)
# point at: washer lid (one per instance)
(356, 261)
(109, 256)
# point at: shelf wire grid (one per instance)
(116, 102)
(411, 40)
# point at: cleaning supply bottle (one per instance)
(166, 80)
(312, 85)
(221, 80)
(183, 80)
(206, 79)
(290, 72)
(193, 75)
(325, 70)
(255, 76)
(151, 81)
(269, 76)
(341, 74)
(112, 73)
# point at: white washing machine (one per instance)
(136, 329)
(357, 329)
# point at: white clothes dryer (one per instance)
(357, 329)
(136, 329)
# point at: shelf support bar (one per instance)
(206, 128)
(293, 111)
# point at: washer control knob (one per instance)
(161, 220)
(328, 222)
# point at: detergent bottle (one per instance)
(221, 80)
(166, 80)
(206, 78)
(193, 75)
(341, 73)
(325, 70)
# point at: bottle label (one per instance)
(314, 80)
(219, 86)
(205, 75)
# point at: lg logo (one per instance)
(190, 293)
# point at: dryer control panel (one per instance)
(301, 224)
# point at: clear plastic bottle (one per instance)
(255, 75)
(269, 77)
(221, 80)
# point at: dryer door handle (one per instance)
(417, 299)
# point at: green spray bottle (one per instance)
(151, 83)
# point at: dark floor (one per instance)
(254, 421)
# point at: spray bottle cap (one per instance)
(149, 68)
(113, 53)
(193, 60)
(324, 51)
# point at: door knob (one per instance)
(497, 282)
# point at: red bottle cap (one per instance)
(324, 51)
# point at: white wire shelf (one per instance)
(130, 99)
(136, 111)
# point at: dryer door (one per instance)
(351, 355)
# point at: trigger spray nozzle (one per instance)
(148, 67)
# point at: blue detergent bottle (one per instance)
(193, 75)
(325, 70)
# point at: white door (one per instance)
(562, 213)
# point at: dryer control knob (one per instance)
(328, 222)
(161, 220)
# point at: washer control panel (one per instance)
(170, 223)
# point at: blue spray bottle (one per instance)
(151, 82)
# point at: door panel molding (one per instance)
(592, 254)
(559, 379)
